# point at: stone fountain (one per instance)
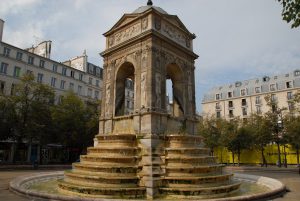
(154, 152)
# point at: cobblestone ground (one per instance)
(290, 179)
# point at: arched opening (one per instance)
(124, 99)
(174, 89)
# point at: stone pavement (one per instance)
(290, 178)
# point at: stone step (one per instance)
(109, 169)
(206, 191)
(112, 137)
(121, 151)
(109, 159)
(194, 180)
(190, 159)
(103, 192)
(198, 170)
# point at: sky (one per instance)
(236, 39)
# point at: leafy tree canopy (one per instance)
(291, 12)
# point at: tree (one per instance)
(292, 128)
(7, 118)
(76, 122)
(262, 135)
(274, 119)
(209, 128)
(291, 12)
(31, 103)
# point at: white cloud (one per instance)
(15, 6)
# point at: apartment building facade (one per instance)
(243, 98)
(76, 74)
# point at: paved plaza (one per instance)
(290, 179)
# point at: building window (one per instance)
(297, 72)
(257, 89)
(40, 78)
(257, 100)
(218, 106)
(272, 87)
(79, 90)
(291, 106)
(3, 68)
(258, 109)
(80, 76)
(42, 63)
(30, 60)
(72, 73)
(218, 114)
(90, 80)
(71, 86)
(54, 68)
(12, 89)
(244, 102)
(6, 52)
(229, 94)
(89, 94)
(288, 84)
(2, 87)
(53, 81)
(243, 92)
(273, 98)
(289, 95)
(17, 71)
(231, 113)
(29, 72)
(62, 84)
(217, 96)
(230, 104)
(97, 83)
(266, 79)
(64, 71)
(96, 94)
(19, 56)
(244, 110)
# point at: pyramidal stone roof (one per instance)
(145, 8)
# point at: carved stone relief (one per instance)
(107, 100)
(174, 34)
(143, 89)
(125, 34)
(157, 23)
(190, 93)
(144, 59)
(145, 23)
(158, 89)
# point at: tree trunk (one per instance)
(233, 158)
(239, 155)
(297, 150)
(279, 154)
(263, 157)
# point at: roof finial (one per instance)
(149, 3)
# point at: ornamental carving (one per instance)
(145, 23)
(107, 100)
(174, 34)
(157, 23)
(143, 89)
(125, 34)
(158, 90)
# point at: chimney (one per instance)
(1, 28)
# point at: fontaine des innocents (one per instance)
(152, 152)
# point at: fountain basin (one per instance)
(45, 186)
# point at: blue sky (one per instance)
(236, 39)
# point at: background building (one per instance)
(245, 97)
(77, 74)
